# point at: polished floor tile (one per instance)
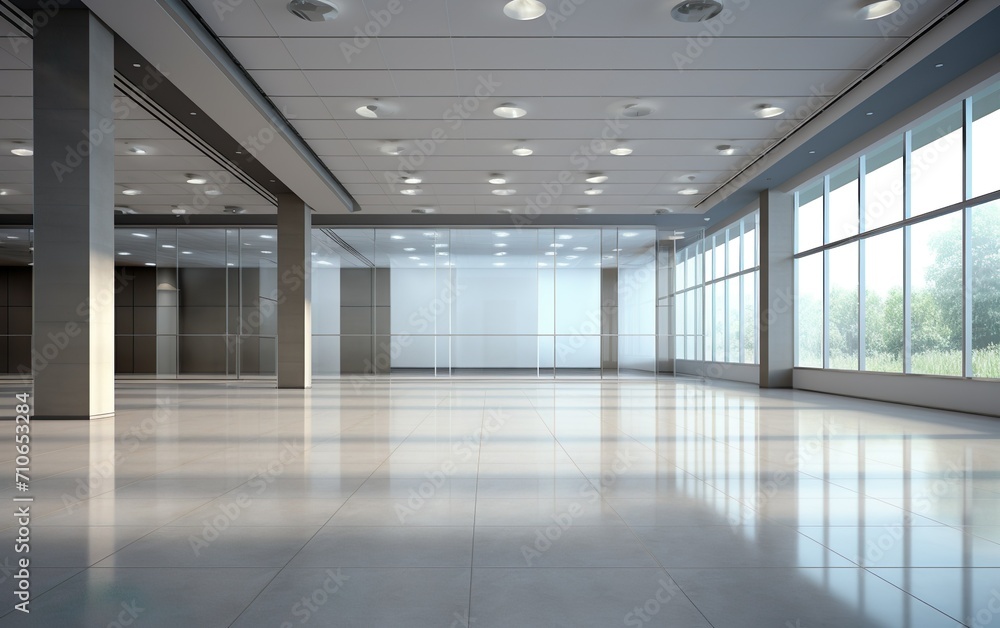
(472, 503)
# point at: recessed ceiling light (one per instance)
(522, 151)
(938, 65)
(497, 179)
(636, 111)
(196, 179)
(141, 235)
(875, 10)
(412, 180)
(422, 210)
(187, 253)
(584, 210)
(870, 113)
(130, 192)
(509, 110)
(812, 152)
(524, 9)
(501, 234)
(13, 237)
(137, 150)
(565, 236)
(596, 178)
(233, 209)
(313, 10)
(593, 191)
(266, 252)
(688, 191)
(621, 151)
(629, 234)
(725, 149)
(393, 149)
(696, 10)
(504, 191)
(213, 192)
(397, 237)
(411, 191)
(124, 253)
(266, 236)
(367, 111)
(136, 65)
(22, 151)
(324, 262)
(178, 210)
(150, 264)
(768, 111)
(6, 192)
(707, 219)
(505, 210)
(167, 246)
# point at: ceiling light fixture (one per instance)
(412, 180)
(596, 178)
(504, 191)
(233, 209)
(422, 210)
(21, 150)
(688, 191)
(137, 150)
(196, 179)
(635, 110)
(522, 151)
(621, 151)
(131, 192)
(367, 111)
(524, 9)
(313, 10)
(411, 191)
(725, 149)
(124, 253)
(497, 179)
(593, 191)
(393, 149)
(141, 235)
(875, 10)
(509, 110)
(214, 191)
(584, 210)
(768, 111)
(501, 234)
(505, 210)
(664, 210)
(696, 10)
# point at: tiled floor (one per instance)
(455, 503)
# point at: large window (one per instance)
(905, 277)
(716, 295)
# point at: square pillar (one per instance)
(74, 287)
(777, 289)
(294, 293)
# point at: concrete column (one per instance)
(294, 293)
(73, 338)
(776, 311)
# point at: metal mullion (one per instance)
(907, 254)
(967, 288)
(862, 263)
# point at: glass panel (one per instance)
(844, 203)
(884, 302)
(750, 243)
(936, 296)
(809, 218)
(985, 138)
(719, 329)
(734, 315)
(750, 318)
(843, 304)
(719, 255)
(936, 162)
(884, 185)
(733, 250)
(577, 302)
(636, 356)
(986, 291)
(809, 310)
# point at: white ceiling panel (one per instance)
(260, 53)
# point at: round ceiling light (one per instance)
(593, 191)
(596, 178)
(688, 191)
(725, 149)
(131, 192)
(621, 151)
(313, 10)
(505, 210)
(137, 150)
(497, 179)
(522, 151)
(195, 179)
(509, 110)
(367, 111)
(635, 110)
(22, 152)
(422, 210)
(393, 149)
(768, 111)
(875, 10)
(664, 210)
(504, 191)
(412, 180)
(524, 9)
(696, 10)
(411, 191)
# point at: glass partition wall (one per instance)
(563, 302)
(199, 303)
